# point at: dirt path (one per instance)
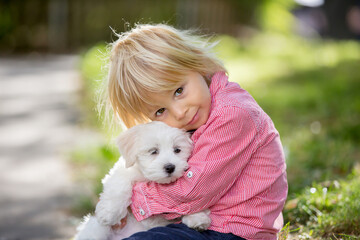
(38, 117)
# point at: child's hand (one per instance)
(120, 225)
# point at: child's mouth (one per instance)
(194, 119)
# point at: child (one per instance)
(237, 168)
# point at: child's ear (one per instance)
(126, 142)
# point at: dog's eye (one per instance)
(177, 150)
(154, 151)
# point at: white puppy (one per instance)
(150, 152)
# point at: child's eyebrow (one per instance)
(153, 108)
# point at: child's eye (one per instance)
(179, 91)
(159, 112)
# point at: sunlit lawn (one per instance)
(310, 89)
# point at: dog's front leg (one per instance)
(116, 196)
(199, 221)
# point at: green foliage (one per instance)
(228, 48)
(274, 15)
(91, 163)
(93, 70)
(92, 66)
(6, 22)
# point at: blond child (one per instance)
(237, 168)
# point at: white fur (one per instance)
(199, 221)
(90, 228)
(146, 150)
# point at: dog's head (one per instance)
(160, 151)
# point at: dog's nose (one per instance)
(169, 168)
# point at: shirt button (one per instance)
(190, 174)
(142, 212)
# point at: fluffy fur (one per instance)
(150, 152)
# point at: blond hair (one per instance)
(151, 59)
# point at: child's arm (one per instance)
(219, 156)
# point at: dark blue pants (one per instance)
(181, 232)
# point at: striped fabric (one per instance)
(237, 170)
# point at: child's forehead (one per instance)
(158, 99)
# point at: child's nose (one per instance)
(179, 115)
(179, 112)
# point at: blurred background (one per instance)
(298, 58)
(67, 26)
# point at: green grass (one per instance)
(327, 210)
(310, 90)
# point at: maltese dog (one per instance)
(150, 152)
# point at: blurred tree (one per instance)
(336, 12)
(275, 15)
(62, 25)
(57, 24)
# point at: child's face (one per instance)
(187, 106)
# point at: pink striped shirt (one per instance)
(237, 170)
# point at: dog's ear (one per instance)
(126, 142)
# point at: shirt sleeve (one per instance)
(219, 156)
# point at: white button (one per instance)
(189, 174)
(142, 212)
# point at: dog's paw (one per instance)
(109, 213)
(199, 221)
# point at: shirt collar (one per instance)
(218, 81)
